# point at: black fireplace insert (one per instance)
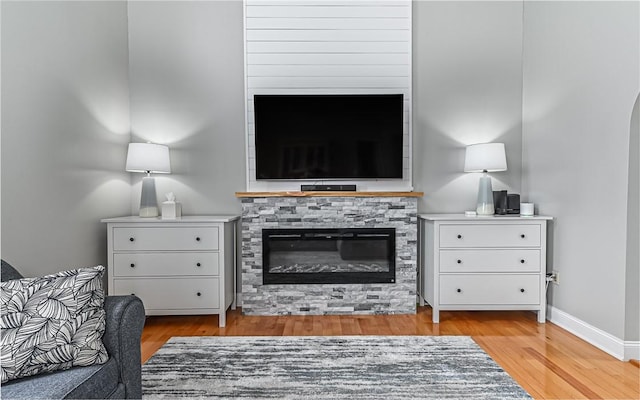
(327, 255)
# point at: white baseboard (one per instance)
(631, 350)
(603, 340)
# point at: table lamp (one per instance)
(485, 157)
(148, 158)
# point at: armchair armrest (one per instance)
(125, 318)
(9, 273)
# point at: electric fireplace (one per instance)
(326, 255)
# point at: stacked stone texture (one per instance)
(329, 212)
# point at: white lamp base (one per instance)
(148, 199)
(484, 205)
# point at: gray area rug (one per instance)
(326, 367)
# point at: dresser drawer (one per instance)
(165, 264)
(490, 260)
(488, 289)
(174, 238)
(490, 235)
(171, 294)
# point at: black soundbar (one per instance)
(328, 188)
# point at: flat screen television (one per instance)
(317, 137)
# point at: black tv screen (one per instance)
(328, 136)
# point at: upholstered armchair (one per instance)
(118, 378)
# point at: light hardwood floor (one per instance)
(547, 361)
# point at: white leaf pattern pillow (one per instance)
(52, 323)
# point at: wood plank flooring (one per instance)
(547, 361)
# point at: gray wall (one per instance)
(632, 320)
(187, 81)
(467, 88)
(580, 83)
(65, 125)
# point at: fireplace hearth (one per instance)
(342, 211)
(322, 255)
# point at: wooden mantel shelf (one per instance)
(329, 194)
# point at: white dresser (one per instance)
(482, 263)
(181, 266)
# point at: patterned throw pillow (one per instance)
(52, 323)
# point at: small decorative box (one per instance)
(171, 210)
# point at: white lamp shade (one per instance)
(488, 157)
(148, 157)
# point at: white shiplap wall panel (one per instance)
(346, 90)
(327, 70)
(330, 82)
(324, 3)
(328, 47)
(328, 59)
(325, 23)
(315, 35)
(326, 10)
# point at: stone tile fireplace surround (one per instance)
(329, 210)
